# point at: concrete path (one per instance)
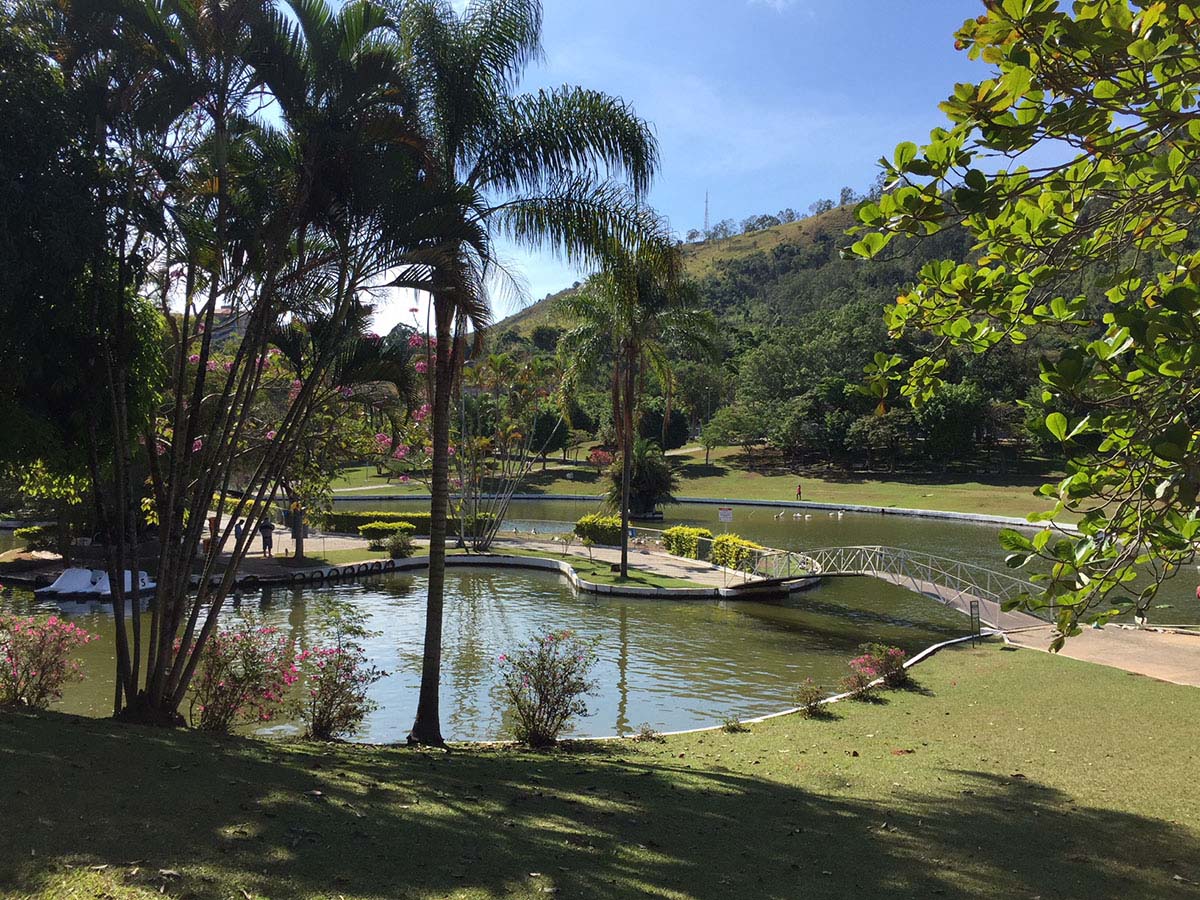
(644, 558)
(1155, 654)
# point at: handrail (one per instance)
(949, 581)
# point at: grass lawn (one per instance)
(730, 475)
(1008, 774)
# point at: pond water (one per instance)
(672, 665)
(969, 542)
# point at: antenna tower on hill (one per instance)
(706, 212)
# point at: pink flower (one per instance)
(271, 434)
(194, 358)
(400, 452)
(211, 365)
(404, 479)
(416, 340)
(421, 366)
(228, 365)
(197, 445)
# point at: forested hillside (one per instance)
(799, 326)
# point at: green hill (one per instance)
(707, 260)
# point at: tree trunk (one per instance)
(626, 462)
(427, 728)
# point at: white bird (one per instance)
(797, 515)
(808, 516)
(779, 515)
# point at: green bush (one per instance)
(37, 537)
(732, 551)
(684, 541)
(400, 545)
(378, 531)
(343, 522)
(605, 530)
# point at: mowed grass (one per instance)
(1007, 774)
(729, 474)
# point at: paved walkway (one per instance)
(642, 558)
(1162, 655)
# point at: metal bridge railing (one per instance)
(949, 581)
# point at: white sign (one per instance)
(725, 514)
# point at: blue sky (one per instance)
(765, 104)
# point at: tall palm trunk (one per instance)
(626, 455)
(427, 728)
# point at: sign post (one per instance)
(725, 515)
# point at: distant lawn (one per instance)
(731, 475)
(1009, 774)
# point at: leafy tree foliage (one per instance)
(1097, 247)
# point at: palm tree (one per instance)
(294, 218)
(651, 480)
(629, 315)
(551, 168)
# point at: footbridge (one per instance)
(951, 582)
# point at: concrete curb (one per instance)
(979, 518)
(757, 720)
(482, 560)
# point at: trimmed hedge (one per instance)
(379, 533)
(342, 522)
(380, 530)
(732, 551)
(682, 540)
(37, 537)
(604, 530)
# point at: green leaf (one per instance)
(1011, 539)
(1056, 424)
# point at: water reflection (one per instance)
(672, 665)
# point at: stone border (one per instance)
(563, 568)
(757, 720)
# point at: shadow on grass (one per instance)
(240, 817)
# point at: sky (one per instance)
(763, 104)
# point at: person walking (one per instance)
(799, 491)
(239, 527)
(267, 530)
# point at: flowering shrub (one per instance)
(601, 459)
(337, 677)
(545, 681)
(858, 684)
(35, 659)
(886, 662)
(243, 677)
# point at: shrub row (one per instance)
(605, 530)
(343, 522)
(692, 543)
(732, 551)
